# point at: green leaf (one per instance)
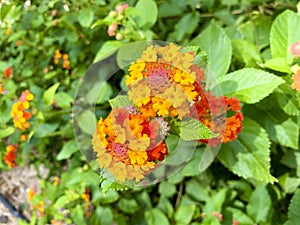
(278, 64)
(63, 100)
(87, 121)
(167, 189)
(177, 8)
(148, 13)
(184, 213)
(249, 155)
(156, 217)
(249, 85)
(130, 53)
(5, 10)
(77, 214)
(186, 26)
(280, 127)
(201, 195)
(194, 130)
(108, 184)
(129, 206)
(45, 129)
(246, 52)
(120, 101)
(288, 100)
(105, 93)
(49, 94)
(260, 211)
(5, 132)
(215, 203)
(217, 45)
(107, 49)
(294, 210)
(284, 32)
(86, 17)
(102, 215)
(69, 149)
(165, 206)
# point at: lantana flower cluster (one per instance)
(58, 56)
(165, 87)
(19, 111)
(295, 51)
(11, 156)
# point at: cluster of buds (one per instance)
(65, 59)
(115, 18)
(19, 113)
(10, 156)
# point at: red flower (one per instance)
(8, 72)
(158, 153)
(11, 156)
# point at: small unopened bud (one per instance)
(119, 36)
(112, 14)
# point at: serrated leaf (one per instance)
(249, 155)
(217, 45)
(278, 64)
(194, 130)
(246, 52)
(260, 211)
(249, 85)
(120, 101)
(49, 94)
(294, 210)
(288, 100)
(284, 32)
(280, 127)
(109, 184)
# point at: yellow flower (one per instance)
(183, 61)
(168, 52)
(134, 172)
(56, 181)
(85, 197)
(149, 55)
(139, 93)
(137, 66)
(118, 169)
(161, 106)
(30, 194)
(136, 157)
(8, 31)
(183, 78)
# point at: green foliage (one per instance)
(247, 46)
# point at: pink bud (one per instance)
(295, 49)
(112, 29)
(121, 8)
